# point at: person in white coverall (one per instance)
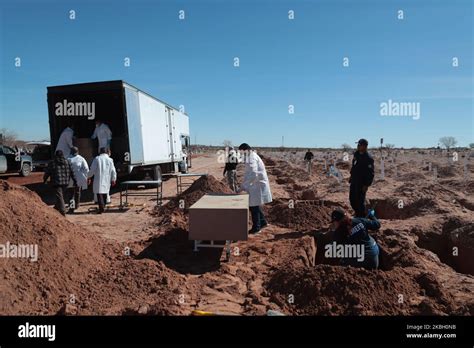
(104, 173)
(65, 141)
(256, 184)
(103, 134)
(80, 169)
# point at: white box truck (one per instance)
(148, 135)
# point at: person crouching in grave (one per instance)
(257, 185)
(351, 235)
(104, 173)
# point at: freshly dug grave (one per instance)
(391, 208)
(174, 214)
(404, 285)
(454, 245)
(66, 254)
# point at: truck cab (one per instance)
(13, 161)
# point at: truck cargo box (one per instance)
(146, 132)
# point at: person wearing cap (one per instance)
(362, 175)
(355, 231)
(80, 168)
(257, 185)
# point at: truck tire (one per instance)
(156, 173)
(183, 167)
(25, 169)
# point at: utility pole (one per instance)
(382, 168)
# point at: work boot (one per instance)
(254, 231)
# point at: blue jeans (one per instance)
(258, 219)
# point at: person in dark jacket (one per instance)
(60, 172)
(308, 158)
(230, 170)
(362, 175)
(355, 231)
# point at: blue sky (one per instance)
(282, 62)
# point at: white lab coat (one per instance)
(103, 171)
(65, 141)
(103, 134)
(255, 181)
(80, 169)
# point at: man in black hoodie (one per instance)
(60, 171)
(362, 175)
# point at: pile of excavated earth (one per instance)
(426, 240)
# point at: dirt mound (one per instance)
(66, 254)
(299, 187)
(343, 165)
(267, 160)
(285, 180)
(302, 215)
(337, 290)
(414, 176)
(309, 194)
(465, 186)
(446, 171)
(174, 213)
(129, 286)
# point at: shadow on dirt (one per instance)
(176, 251)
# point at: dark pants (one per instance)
(102, 200)
(59, 194)
(75, 194)
(371, 259)
(258, 219)
(357, 199)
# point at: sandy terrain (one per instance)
(281, 268)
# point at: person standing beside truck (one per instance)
(103, 134)
(362, 175)
(60, 172)
(257, 185)
(104, 173)
(65, 141)
(80, 170)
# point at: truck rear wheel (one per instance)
(25, 169)
(156, 173)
